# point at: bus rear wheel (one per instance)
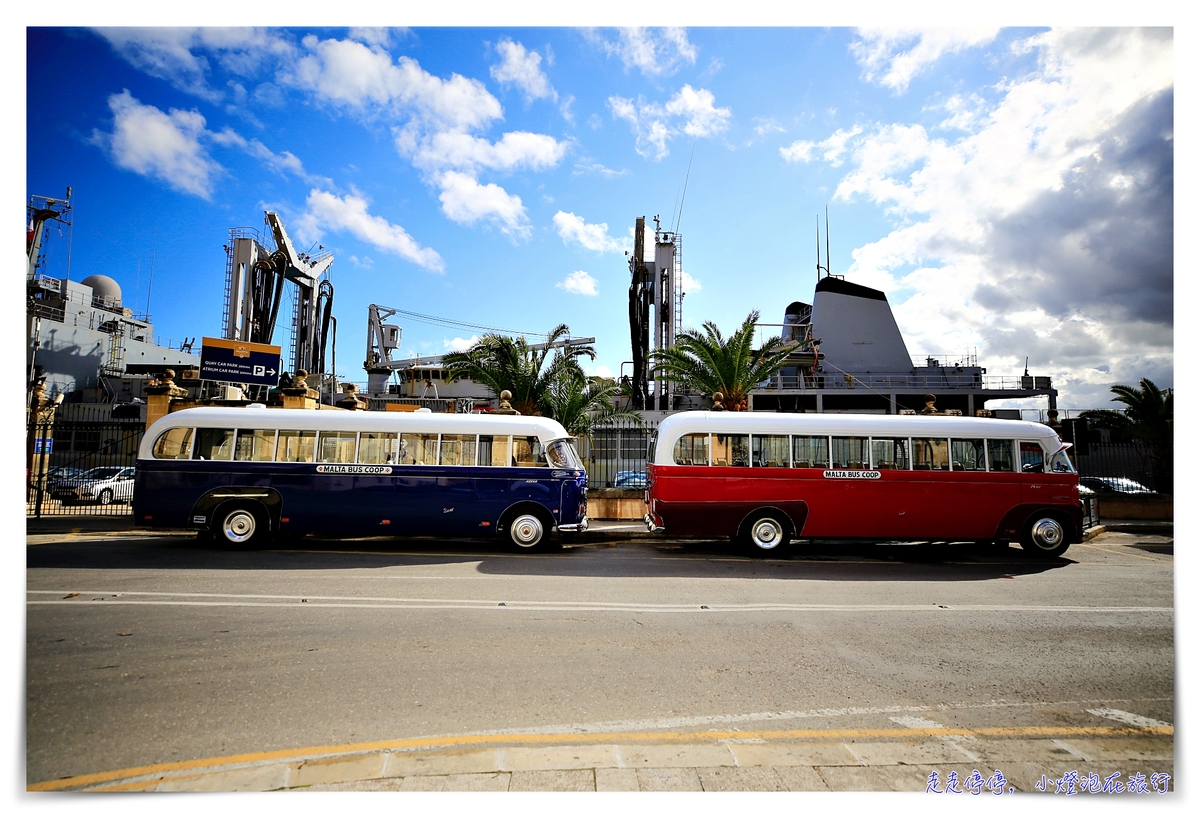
(1044, 535)
(240, 527)
(766, 533)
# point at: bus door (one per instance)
(1035, 487)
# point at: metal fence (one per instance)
(615, 455)
(1128, 460)
(74, 453)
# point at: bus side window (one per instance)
(731, 450)
(418, 449)
(213, 444)
(889, 453)
(255, 445)
(337, 447)
(527, 452)
(850, 453)
(493, 450)
(377, 448)
(692, 450)
(457, 450)
(1000, 455)
(296, 446)
(810, 452)
(770, 451)
(1033, 459)
(931, 454)
(174, 444)
(967, 455)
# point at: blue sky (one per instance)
(1011, 189)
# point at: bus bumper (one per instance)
(580, 526)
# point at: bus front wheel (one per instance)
(1044, 535)
(240, 527)
(766, 533)
(528, 531)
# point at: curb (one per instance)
(881, 760)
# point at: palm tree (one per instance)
(582, 403)
(1148, 416)
(500, 362)
(708, 362)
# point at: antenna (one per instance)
(827, 240)
(687, 176)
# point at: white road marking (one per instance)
(917, 722)
(294, 600)
(914, 721)
(1127, 718)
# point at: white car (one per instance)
(103, 485)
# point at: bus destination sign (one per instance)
(239, 362)
(852, 475)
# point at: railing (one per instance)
(615, 455)
(930, 378)
(58, 453)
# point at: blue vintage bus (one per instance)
(245, 474)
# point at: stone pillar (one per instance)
(39, 440)
(298, 395)
(352, 401)
(160, 395)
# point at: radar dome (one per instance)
(104, 288)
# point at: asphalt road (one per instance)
(144, 649)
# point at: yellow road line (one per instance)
(453, 742)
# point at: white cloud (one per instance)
(585, 167)
(691, 111)
(654, 52)
(892, 57)
(831, 149)
(599, 370)
(580, 283)
(285, 162)
(687, 283)
(176, 54)
(1046, 229)
(327, 211)
(574, 230)
(460, 344)
(523, 69)
(363, 78)
(516, 150)
(164, 146)
(466, 201)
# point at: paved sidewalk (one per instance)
(876, 760)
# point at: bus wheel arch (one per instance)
(1045, 533)
(527, 526)
(766, 530)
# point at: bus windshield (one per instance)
(562, 455)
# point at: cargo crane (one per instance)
(254, 291)
(655, 282)
(383, 339)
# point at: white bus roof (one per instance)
(346, 421)
(861, 425)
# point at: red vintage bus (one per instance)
(773, 478)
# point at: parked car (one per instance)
(1108, 485)
(630, 480)
(60, 473)
(103, 485)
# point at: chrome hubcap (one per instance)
(766, 534)
(526, 530)
(1047, 533)
(239, 526)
